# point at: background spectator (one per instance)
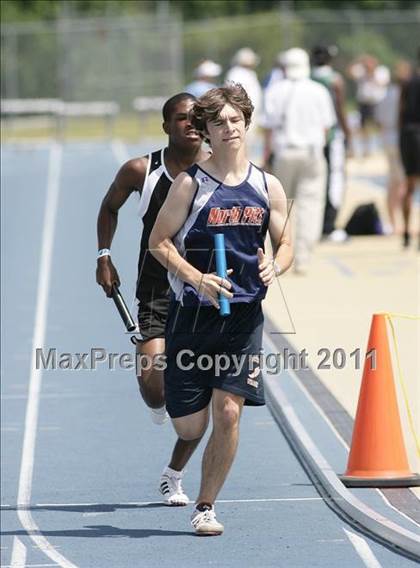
(206, 75)
(387, 116)
(276, 72)
(298, 112)
(337, 139)
(371, 80)
(410, 143)
(243, 71)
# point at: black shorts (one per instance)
(367, 113)
(205, 351)
(152, 314)
(410, 149)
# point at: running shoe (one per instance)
(205, 522)
(171, 489)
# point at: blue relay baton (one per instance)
(221, 269)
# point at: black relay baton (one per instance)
(122, 308)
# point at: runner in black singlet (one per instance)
(151, 176)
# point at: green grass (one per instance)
(130, 127)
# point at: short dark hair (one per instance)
(323, 54)
(169, 107)
(209, 106)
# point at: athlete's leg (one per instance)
(222, 445)
(151, 387)
(309, 208)
(394, 191)
(184, 448)
(182, 452)
(150, 378)
(336, 181)
(193, 426)
(171, 479)
(407, 204)
(330, 212)
(396, 184)
(192, 429)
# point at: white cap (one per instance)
(208, 68)
(296, 63)
(246, 56)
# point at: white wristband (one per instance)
(103, 252)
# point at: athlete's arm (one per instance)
(169, 221)
(280, 234)
(402, 105)
(340, 99)
(128, 179)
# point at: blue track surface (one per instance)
(98, 457)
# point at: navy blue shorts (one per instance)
(206, 351)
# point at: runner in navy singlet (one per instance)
(224, 194)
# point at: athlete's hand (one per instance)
(265, 267)
(106, 274)
(211, 286)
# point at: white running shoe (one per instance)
(171, 489)
(159, 415)
(338, 236)
(205, 523)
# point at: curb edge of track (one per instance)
(327, 483)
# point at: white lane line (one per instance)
(43, 396)
(363, 550)
(35, 380)
(396, 509)
(28, 565)
(274, 500)
(143, 503)
(26, 144)
(18, 559)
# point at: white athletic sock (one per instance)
(172, 472)
(161, 410)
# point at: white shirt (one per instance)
(299, 113)
(275, 75)
(249, 80)
(371, 89)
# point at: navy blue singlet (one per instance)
(241, 213)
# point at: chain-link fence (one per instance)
(154, 55)
(81, 60)
(389, 35)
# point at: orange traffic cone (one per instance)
(377, 455)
